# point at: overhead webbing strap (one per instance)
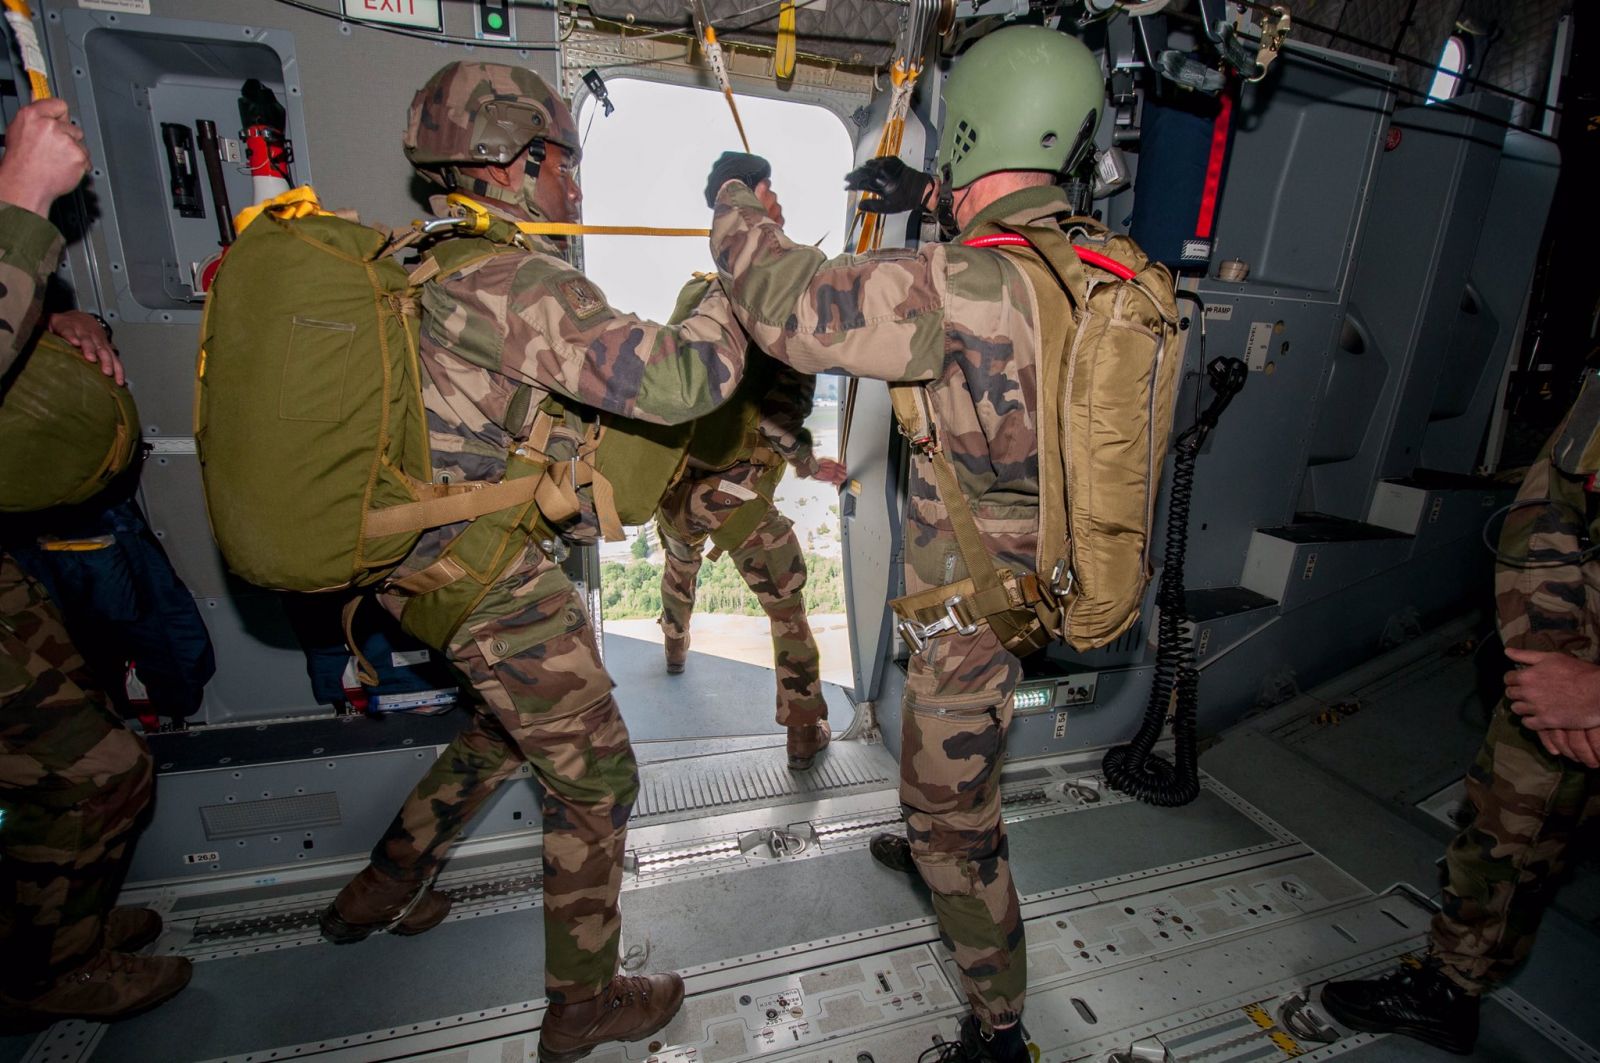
(20, 16)
(473, 219)
(718, 62)
(903, 79)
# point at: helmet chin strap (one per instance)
(522, 196)
(945, 207)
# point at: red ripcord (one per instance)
(1093, 258)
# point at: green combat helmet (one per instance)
(1022, 98)
(477, 114)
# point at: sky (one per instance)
(647, 164)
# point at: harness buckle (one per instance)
(917, 635)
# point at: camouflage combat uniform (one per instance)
(73, 780)
(964, 321)
(1528, 804)
(496, 340)
(702, 504)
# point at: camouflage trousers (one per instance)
(957, 710)
(529, 653)
(73, 781)
(772, 565)
(1504, 866)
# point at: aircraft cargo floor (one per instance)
(1187, 934)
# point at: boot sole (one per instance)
(1423, 1034)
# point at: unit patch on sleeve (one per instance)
(581, 298)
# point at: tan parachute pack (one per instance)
(1106, 384)
(67, 429)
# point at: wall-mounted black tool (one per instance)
(185, 177)
(211, 152)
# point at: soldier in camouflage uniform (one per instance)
(73, 780)
(1534, 783)
(736, 458)
(498, 337)
(963, 321)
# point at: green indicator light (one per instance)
(497, 21)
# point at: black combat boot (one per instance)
(1419, 1002)
(1009, 1045)
(893, 852)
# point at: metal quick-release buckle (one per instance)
(917, 635)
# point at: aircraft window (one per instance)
(647, 164)
(1452, 66)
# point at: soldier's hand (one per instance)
(1553, 691)
(830, 471)
(85, 333)
(44, 159)
(1582, 747)
(890, 185)
(769, 199)
(736, 166)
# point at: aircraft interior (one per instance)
(1394, 260)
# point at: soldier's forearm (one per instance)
(880, 317)
(29, 249)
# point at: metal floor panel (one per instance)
(714, 697)
(759, 776)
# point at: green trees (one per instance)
(634, 590)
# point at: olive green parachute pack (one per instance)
(313, 439)
(68, 429)
(1105, 387)
(731, 434)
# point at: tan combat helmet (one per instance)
(481, 113)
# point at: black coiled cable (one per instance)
(1135, 769)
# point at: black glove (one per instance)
(897, 186)
(736, 166)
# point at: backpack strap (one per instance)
(1060, 283)
(1003, 599)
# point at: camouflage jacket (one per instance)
(529, 320)
(786, 400)
(963, 320)
(1553, 605)
(30, 247)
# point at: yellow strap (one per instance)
(564, 228)
(20, 16)
(301, 202)
(783, 58)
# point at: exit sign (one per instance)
(423, 14)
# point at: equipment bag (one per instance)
(66, 429)
(1105, 387)
(308, 407)
(310, 425)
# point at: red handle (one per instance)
(1093, 258)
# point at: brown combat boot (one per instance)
(111, 986)
(629, 1009)
(131, 929)
(677, 653)
(374, 901)
(805, 742)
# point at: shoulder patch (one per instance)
(581, 298)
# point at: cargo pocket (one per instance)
(314, 369)
(544, 621)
